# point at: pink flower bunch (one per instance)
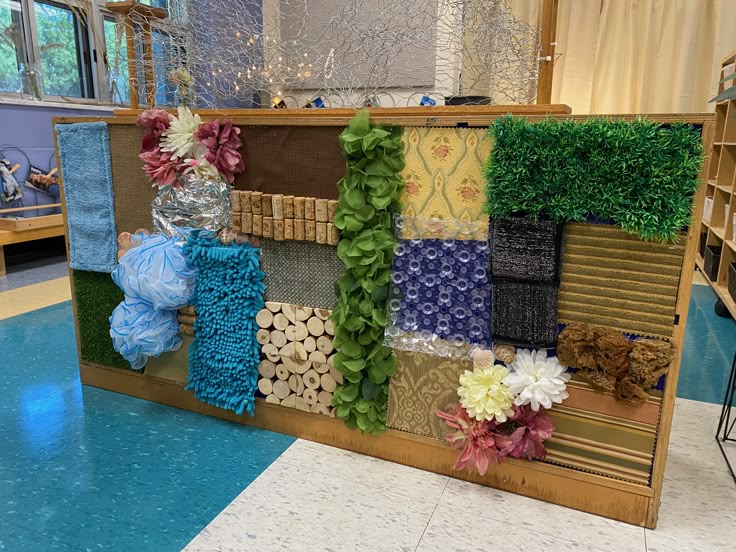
(483, 443)
(154, 123)
(222, 141)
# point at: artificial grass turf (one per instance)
(639, 174)
(96, 296)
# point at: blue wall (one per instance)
(29, 129)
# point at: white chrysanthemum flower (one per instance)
(484, 395)
(537, 380)
(202, 169)
(179, 137)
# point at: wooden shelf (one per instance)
(725, 188)
(718, 231)
(721, 291)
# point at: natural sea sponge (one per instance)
(505, 353)
(650, 360)
(612, 352)
(599, 380)
(576, 347)
(627, 391)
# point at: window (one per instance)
(117, 61)
(63, 43)
(12, 45)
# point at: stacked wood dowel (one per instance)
(285, 217)
(186, 317)
(297, 367)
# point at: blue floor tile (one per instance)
(710, 343)
(86, 469)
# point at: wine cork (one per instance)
(267, 205)
(278, 230)
(299, 229)
(245, 205)
(288, 206)
(331, 209)
(298, 207)
(310, 230)
(246, 223)
(235, 201)
(277, 206)
(257, 224)
(186, 330)
(321, 232)
(333, 234)
(236, 225)
(256, 203)
(288, 229)
(268, 227)
(320, 210)
(309, 208)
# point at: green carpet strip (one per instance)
(223, 359)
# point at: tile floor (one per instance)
(83, 469)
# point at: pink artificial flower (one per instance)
(222, 141)
(154, 123)
(159, 167)
(478, 441)
(527, 431)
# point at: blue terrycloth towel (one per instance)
(87, 175)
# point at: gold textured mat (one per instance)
(133, 192)
(611, 278)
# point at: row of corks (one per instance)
(284, 217)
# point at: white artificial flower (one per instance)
(537, 380)
(179, 137)
(202, 169)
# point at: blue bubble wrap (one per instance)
(224, 356)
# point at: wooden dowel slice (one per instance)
(315, 326)
(256, 202)
(331, 360)
(267, 205)
(296, 366)
(264, 318)
(333, 413)
(336, 375)
(297, 331)
(329, 327)
(263, 336)
(271, 352)
(281, 389)
(257, 225)
(331, 209)
(289, 312)
(325, 398)
(267, 369)
(327, 382)
(273, 399)
(310, 344)
(311, 379)
(278, 338)
(288, 207)
(246, 223)
(298, 207)
(267, 227)
(277, 206)
(265, 386)
(273, 306)
(278, 230)
(310, 396)
(303, 313)
(282, 372)
(320, 367)
(318, 356)
(324, 344)
(320, 210)
(322, 314)
(309, 208)
(288, 229)
(235, 201)
(245, 202)
(296, 384)
(319, 409)
(321, 232)
(290, 401)
(280, 322)
(300, 404)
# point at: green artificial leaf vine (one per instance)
(369, 195)
(639, 174)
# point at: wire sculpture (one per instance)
(296, 53)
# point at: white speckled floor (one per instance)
(318, 498)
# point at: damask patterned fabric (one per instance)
(300, 273)
(443, 175)
(440, 300)
(423, 383)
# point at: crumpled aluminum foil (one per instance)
(194, 203)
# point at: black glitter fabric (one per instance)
(525, 249)
(525, 313)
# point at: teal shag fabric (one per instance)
(224, 357)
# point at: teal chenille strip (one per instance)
(224, 357)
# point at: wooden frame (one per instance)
(628, 502)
